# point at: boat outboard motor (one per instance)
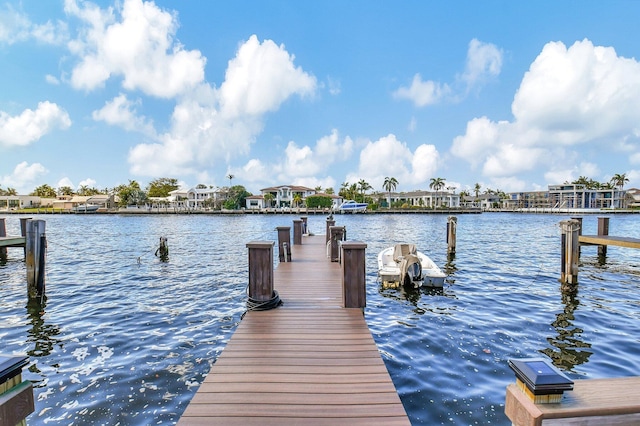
(412, 269)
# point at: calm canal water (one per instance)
(124, 339)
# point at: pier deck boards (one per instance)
(12, 241)
(606, 240)
(308, 362)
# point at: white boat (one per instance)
(85, 208)
(404, 264)
(350, 206)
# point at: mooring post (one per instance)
(305, 230)
(603, 231)
(35, 247)
(297, 231)
(579, 219)
(260, 270)
(452, 223)
(337, 234)
(163, 250)
(354, 293)
(569, 243)
(330, 223)
(23, 231)
(284, 243)
(3, 233)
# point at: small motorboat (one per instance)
(403, 264)
(351, 206)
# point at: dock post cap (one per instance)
(260, 244)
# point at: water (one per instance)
(126, 339)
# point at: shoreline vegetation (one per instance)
(314, 211)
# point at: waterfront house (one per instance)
(578, 196)
(16, 202)
(284, 195)
(424, 199)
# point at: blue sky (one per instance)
(511, 95)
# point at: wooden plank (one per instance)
(307, 362)
(593, 401)
(609, 241)
(12, 241)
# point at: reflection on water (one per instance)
(41, 335)
(568, 350)
(125, 338)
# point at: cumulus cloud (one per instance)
(584, 95)
(212, 125)
(484, 60)
(16, 27)
(122, 112)
(23, 177)
(390, 157)
(260, 78)
(423, 93)
(137, 44)
(31, 125)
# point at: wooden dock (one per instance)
(12, 241)
(606, 240)
(308, 362)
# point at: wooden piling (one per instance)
(284, 243)
(260, 270)
(603, 230)
(354, 293)
(452, 223)
(297, 231)
(569, 255)
(35, 246)
(163, 250)
(330, 223)
(579, 219)
(23, 231)
(337, 234)
(3, 233)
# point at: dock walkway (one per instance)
(308, 362)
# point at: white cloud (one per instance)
(390, 157)
(484, 60)
(208, 125)
(260, 78)
(23, 177)
(31, 125)
(423, 93)
(17, 27)
(580, 95)
(122, 112)
(90, 183)
(65, 181)
(140, 47)
(52, 79)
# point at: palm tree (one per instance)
(268, 198)
(390, 184)
(364, 187)
(297, 199)
(620, 180)
(230, 177)
(437, 184)
(476, 189)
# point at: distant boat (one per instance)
(350, 206)
(85, 208)
(403, 264)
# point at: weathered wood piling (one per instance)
(284, 243)
(452, 223)
(571, 240)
